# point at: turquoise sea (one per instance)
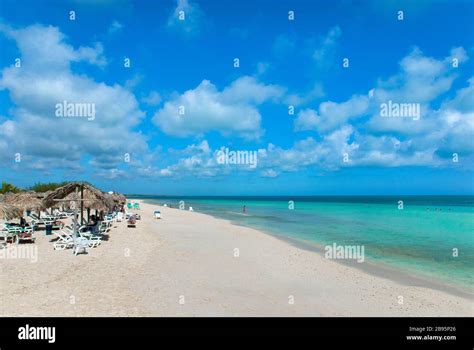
(420, 239)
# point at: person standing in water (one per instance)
(244, 209)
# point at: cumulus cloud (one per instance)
(232, 111)
(46, 79)
(346, 134)
(45, 50)
(380, 141)
(331, 115)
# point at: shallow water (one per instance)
(421, 238)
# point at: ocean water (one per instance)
(420, 238)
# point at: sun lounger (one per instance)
(6, 236)
(103, 228)
(36, 220)
(93, 241)
(11, 228)
(62, 214)
(64, 241)
(132, 222)
(26, 235)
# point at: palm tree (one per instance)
(6, 188)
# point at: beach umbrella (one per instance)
(85, 191)
(117, 198)
(41, 195)
(120, 198)
(88, 196)
(8, 212)
(24, 201)
(91, 201)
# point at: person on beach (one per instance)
(22, 222)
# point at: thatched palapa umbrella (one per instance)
(24, 201)
(91, 201)
(88, 196)
(8, 212)
(119, 198)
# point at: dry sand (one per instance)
(185, 265)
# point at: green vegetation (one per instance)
(50, 186)
(38, 187)
(6, 187)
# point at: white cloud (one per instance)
(44, 49)
(443, 128)
(269, 173)
(115, 27)
(152, 99)
(316, 92)
(324, 54)
(186, 18)
(230, 111)
(331, 115)
(33, 128)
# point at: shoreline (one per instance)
(377, 269)
(383, 270)
(185, 264)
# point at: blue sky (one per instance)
(335, 142)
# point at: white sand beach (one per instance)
(185, 265)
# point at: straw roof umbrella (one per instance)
(119, 198)
(88, 196)
(41, 195)
(89, 192)
(23, 201)
(8, 212)
(91, 201)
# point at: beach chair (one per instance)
(132, 222)
(10, 237)
(119, 217)
(26, 235)
(64, 241)
(108, 221)
(60, 214)
(81, 245)
(11, 228)
(4, 236)
(103, 228)
(157, 214)
(129, 205)
(91, 240)
(136, 206)
(41, 221)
